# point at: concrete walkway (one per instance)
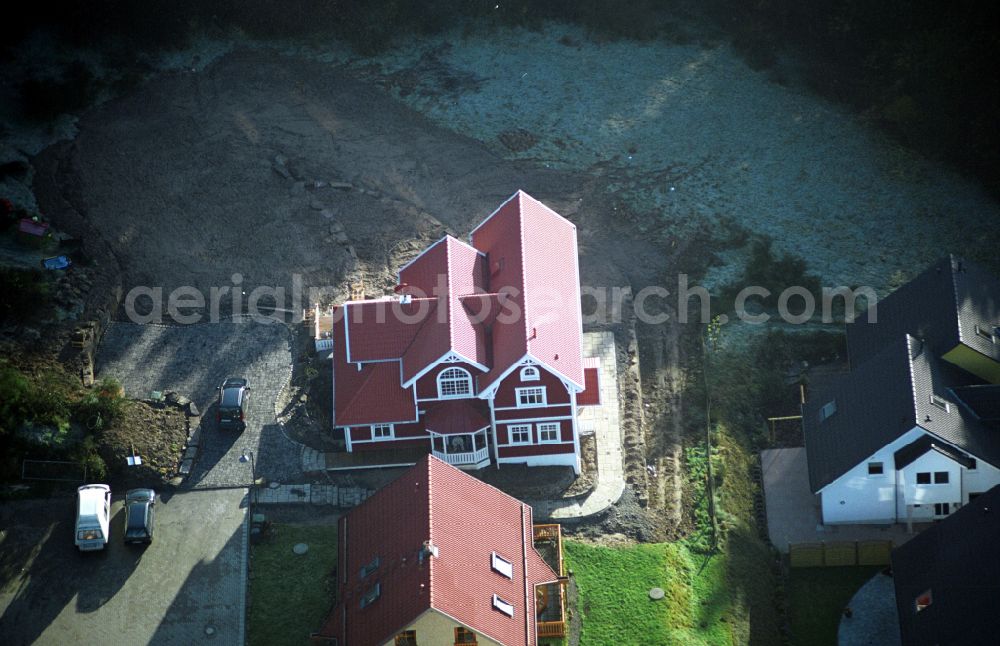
(793, 511)
(604, 422)
(874, 620)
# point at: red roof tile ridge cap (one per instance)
(524, 281)
(430, 527)
(448, 297)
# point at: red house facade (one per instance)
(478, 357)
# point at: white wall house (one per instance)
(932, 486)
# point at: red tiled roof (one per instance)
(447, 270)
(456, 416)
(531, 251)
(383, 329)
(370, 395)
(467, 520)
(591, 395)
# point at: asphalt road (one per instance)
(187, 587)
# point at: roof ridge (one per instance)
(524, 279)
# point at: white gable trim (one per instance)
(419, 256)
(528, 360)
(448, 357)
(400, 271)
(347, 333)
(490, 216)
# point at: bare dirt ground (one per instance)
(196, 176)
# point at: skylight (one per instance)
(828, 410)
(503, 606)
(503, 566)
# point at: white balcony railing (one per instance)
(465, 458)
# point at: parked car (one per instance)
(233, 394)
(139, 515)
(93, 513)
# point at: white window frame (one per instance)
(530, 373)
(544, 427)
(502, 565)
(520, 392)
(454, 380)
(383, 438)
(503, 606)
(525, 428)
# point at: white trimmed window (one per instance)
(454, 382)
(530, 397)
(519, 433)
(382, 432)
(503, 606)
(530, 373)
(502, 565)
(548, 432)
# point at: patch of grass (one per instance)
(290, 595)
(614, 603)
(817, 597)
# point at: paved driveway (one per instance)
(193, 360)
(189, 582)
(793, 511)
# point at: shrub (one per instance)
(102, 405)
(25, 294)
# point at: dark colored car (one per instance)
(233, 394)
(139, 515)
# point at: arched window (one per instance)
(529, 373)
(454, 382)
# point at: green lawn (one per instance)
(290, 595)
(614, 603)
(726, 598)
(818, 596)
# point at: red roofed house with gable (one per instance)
(478, 358)
(440, 557)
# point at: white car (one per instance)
(93, 514)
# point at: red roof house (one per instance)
(440, 557)
(478, 358)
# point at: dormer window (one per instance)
(530, 373)
(986, 333)
(503, 606)
(453, 383)
(370, 567)
(371, 595)
(938, 402)
(502, 565)
(828, 410)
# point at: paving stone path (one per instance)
(193, 360)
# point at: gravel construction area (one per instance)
(247, 164)
(692, 134)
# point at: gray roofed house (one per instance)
(952, 303)
(947, 579)
(912, 431)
